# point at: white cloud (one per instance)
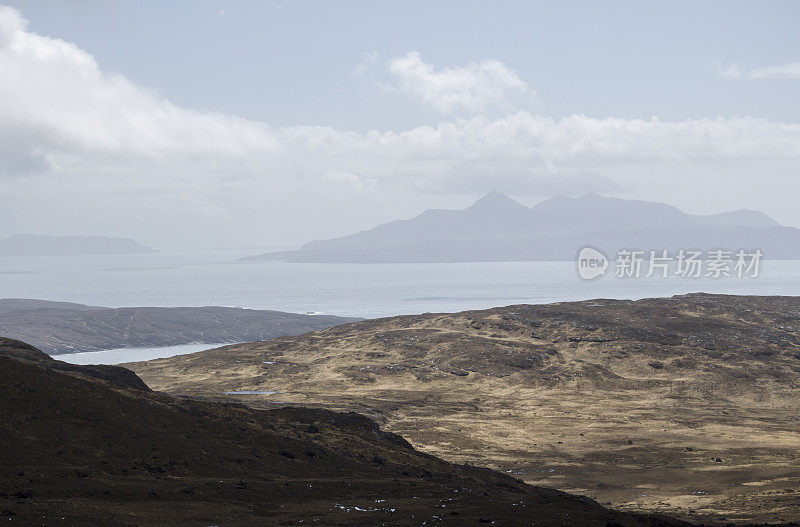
(475, 87)
(786, 71)
(72, 133)
(734, 71)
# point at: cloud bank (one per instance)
(474, 88)
(69, 130)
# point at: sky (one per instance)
(210, 124)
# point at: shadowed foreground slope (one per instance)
(75, 450)
(685, 405)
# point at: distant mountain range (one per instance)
(41, 245)
(498, 228)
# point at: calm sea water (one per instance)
(366, 290)
(120, 355)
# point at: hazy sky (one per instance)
(274, 123)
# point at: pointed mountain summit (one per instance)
(495, 201)
(498, 228)
(496, 207)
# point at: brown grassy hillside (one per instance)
(79, 450)
(686, 405)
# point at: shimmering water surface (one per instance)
(368, 290)
(120, 355)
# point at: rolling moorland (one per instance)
(63, 327)
(686, 405)
(83, 446)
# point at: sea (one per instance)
(218, 278)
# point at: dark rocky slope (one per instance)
(116, 375)
(77, 451)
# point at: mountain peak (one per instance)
(495, 201)
(498, 228)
